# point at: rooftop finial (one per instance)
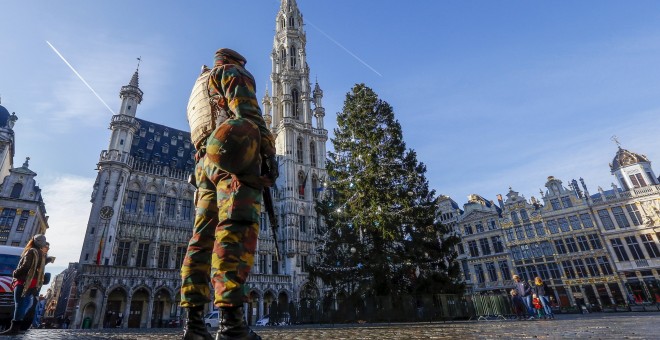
(615, 139)
(27, 161)
(139, 59)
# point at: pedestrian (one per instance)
(525, 292)
(517, 304)
(39, 311)
(229, 182)
(28, 279)
(544, 293)
(536, 302)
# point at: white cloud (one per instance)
(68, 206)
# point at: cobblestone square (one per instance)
(590, 326)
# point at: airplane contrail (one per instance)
(342, 46)
(345, 49)
(79, 76)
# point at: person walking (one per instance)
(28, 279)
(229, 182)
(536, 302)
(525, 292)
(39, 311)
(517, 304)
(542, 290)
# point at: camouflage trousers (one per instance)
(224, 238)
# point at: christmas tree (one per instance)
(381, 236)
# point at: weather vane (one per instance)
(139, 59)
(615, 139)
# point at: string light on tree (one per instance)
(380, 214)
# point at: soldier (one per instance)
(229, 181)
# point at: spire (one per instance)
(317, 89)
(136, 77)
(133, 87)
(288, 4)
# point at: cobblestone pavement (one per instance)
(591, 326)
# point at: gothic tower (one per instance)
(301, 146)
(139, 224)
(113, 169)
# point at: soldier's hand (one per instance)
(270, 169)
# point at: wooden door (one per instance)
(135, 316)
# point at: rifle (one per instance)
(270, 210)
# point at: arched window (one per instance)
(292, 56)
(312, 154)
(301, 185)
(299, 150)
(523, 215)
(283, 57)
(295, 110)
(292, 22)
(16, 190)
(514, 217)
(282, 22)
(315, 186)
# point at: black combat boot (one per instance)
(14, 329)
(195, 328)
(233, 326)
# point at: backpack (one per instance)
(203, 113)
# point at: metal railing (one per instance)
(378, 309)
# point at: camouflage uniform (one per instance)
(227, 203)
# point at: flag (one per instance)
(301, 189)
(98, 255)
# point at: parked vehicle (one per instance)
(284, 320)
(9, 257)
(211, 319)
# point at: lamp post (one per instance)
(353, 251)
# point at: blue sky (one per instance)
(491, 94)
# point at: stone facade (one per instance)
(22, 209)
(486, 264)
(596, 250)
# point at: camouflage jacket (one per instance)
(234, 88)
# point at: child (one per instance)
(536, 302)
(518, 304)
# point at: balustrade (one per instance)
(269, 278)
(111, 272)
